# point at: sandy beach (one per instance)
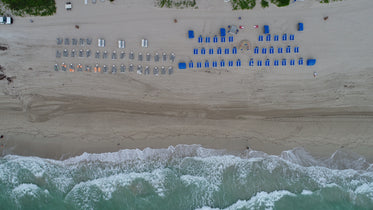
(61, 114)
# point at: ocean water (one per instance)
(187, 177)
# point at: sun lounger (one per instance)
(275, 63)
(96, 69)
(121, 44)
(207, 39)
(207, 64)
(215, 39)
(88, 53)
(234, 50)
(131, 56)
(122, 68)
(101, 42)
(104, 55)
(222, 63)
(271, 50)
(191, 65)
(195, 51)
(65, 53)
(218, 51)
(97, 54)
(114, 55)
(72, 68)
(58, 54)
(284, 37)
(296, 49)
(63, 67)
(251, 62)
(164, 56)
(300, 61)
(81, 42)
(238, 62)
(222, 39)
(283, 62)
(139, 56)
(170, 70)
(279, 50)
(81, 53)
(268, 37)
(260, 38)
(88, 68)
(199, 65)
(147, 70)
(230, 63)
(288, 49)
(230, 39)
(105, 69)
(74, 41)
(163, 70)
(256, 50)
(291, 37)
(59, 41)
(264, 50)
(259, 63)
(67, 41)
(122, 55)
(275, 38)
(200, 39)
(130, 68)
(211, 51)
(292, 62)
(203, 51)
(226, 51)
(148, 56)
(72, 53)
(79, 67)
(267, 62)
(156, 57)
(155, 70)
(56, 67)
(89, 41)
(139, 69)
(214, 64)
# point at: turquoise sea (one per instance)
(187, 177)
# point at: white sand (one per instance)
(50, 113)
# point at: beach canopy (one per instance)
(195, 51)
(203, 51)
(199, 64)
(211, 51)
(275, 38)
(311, 62)
(260, 38)
(207, 64)
(259, 63)
(288, 49)
(279, 50)
(291, 37)
(226, 51)
(222, 39)
(222, 31)
(264, 50)
(200, 39)
(238, 62)
(214, 64)
(230, 39)
(296, 49)
(251, 62)
(267, 63)
(266, 29)
(218, 50)
(275, 63)
(230, 63)
(283, 62)
(222, 63)
(234, 50)
(207, 39)
(292, 62)
(215, 39)
(190, 64)
(182, 65)
(191, 34)
(300, 26)
(256, 50)
(284, 37)
(271, 50)
(268, 37)
(300, 61)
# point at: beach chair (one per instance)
(104, 69)
(63, 67)
(268, 37)
(88, 41)
(97, 54)
(88, 53)
(288, 49)
(65, 53)
(72, 53)
(275, 63)
(199, 65)
(200, 39)
(156, 57)
(275, 38)
(271, 50)
(190, 64)
(222, 39)
(122, 68)
(207, 64)
(267, 62)
(72, 68)
(215, 39)
(230, 63)
(256, 50)
(283, 62)
(211, 51)
(172, 57)
(81, 53)
(170, 70)
(163, 70)
(214, 64)
(222, 63)
(296, 49)
(88, 68)
(203, 51)
(130, 68)
(81, 42)
(148, 56)
(260, 38)
(292, 62)
(139, 56)
(67, 41)
(122, 55)
(284, 37)
(147, 70)
(264, 50)
(238, 62)
(226, 51)
(259, 63)
(104, 55)
(230, 39)
(114, 55)
(131, 55)
(139, 70)
(218, 51)
(279, 50)
(300, 62)
(155, 70)
(74, 41)
(113, 69)
(58, 54)
(234, 50)
(251, 62)
(164, 56)
(56, 67)
(195, 51)
(207, 39)
(59, 41)
(291, 37)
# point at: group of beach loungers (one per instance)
(276, 38)
(278, 50)
(214, 39)
(74, 41)
(214, 64)
(139, 69)
(275, 62)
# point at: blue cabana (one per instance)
(288, 49)
(251, 62)
(199, 64)
(264, 50)
(226, 51)
(215, 39)
(191, 34)
(296, 49)
(266, 29)
(311, 62)
(256, 50)
(238, 62)
(260, 38)
(234, 50)
(267, 63)
(200, 39)
(191, 64)
(268, 37)
(275, 38)
(300, 26)
(207, 39)
(203, 51)
(222, 63)
(195, 51)
(214, 64)
(222, 31)
(292, 62)
(222, 39)
(275, 63)
(182, 65)
(230, 39)
(271, 50)
(300, 61)
(218, 50)
(284, 37)
(207, 64)
(230, 63)
(259, 63)
(279, 50)
(291, 37)
(211, 51)
(283, 62)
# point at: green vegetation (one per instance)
(264, 3)
(281, 3)
(31, 7)
(176, 3)
(243, 4)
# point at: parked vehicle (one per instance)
(6, 20)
